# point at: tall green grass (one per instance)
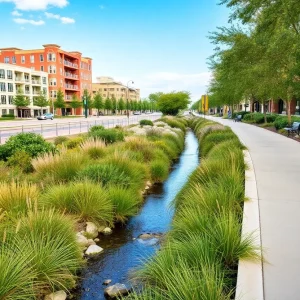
(87, 200)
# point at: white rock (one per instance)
(81, 239)
(101, 228)
(116, 290)
(91, 229)
(96, 240)
(93, 250)
(60, 295)
(107, 230)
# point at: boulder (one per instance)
(107, 231)
(91, 229)
(147, 236)
(93, 250)
(60, 295)
(101, 228)
(107, 282)
(117, 290)
(81, 239)
(96, 240)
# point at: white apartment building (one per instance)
(30, 82)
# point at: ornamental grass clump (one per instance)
(55, 255)
(86, 200)
(17, 197)
(126, 202)
(93, 148)
(159, 170)
(60, 167)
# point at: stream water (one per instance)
(123, 250)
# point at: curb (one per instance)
(250, 274)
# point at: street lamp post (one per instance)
(130, 81)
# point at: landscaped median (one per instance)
(200, 256)
(57, 200)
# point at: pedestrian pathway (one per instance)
(276, 161)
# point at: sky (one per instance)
(162, 45)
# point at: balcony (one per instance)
(68, 97)
(71, 87)
(19, 79)
(71, 76)
(36, 92)
(27, 92)
(36, 82)
(70, 64)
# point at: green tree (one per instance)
(98, 102)
(108, 105)
(41, 101)
(172, 103)
(60, 102)
(75, 103)
(121, 105)
(114, 104)
(20, 100)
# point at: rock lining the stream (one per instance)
(93, 250)
(116, 290)
(91, 230)
(60, 295)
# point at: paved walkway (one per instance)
(276, 161)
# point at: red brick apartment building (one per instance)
(68, 71)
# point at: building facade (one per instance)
(31, 83)
(69, 72)
(108, 88)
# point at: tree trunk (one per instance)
(265, 111)
(288, 108)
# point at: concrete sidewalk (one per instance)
(276, 161)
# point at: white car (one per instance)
(47, 116)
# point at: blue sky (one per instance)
(161, 45)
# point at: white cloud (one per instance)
(37, 4)
(16, 13)
(28, 21)
(64, 20)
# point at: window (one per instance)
(23, 59)
(42, 68)
(41, 57)
(2, 87)
(51, 57)
(61, 82)
(26, 76)
(9, 74)
(45, 91)
(10, 101)
(89, 67)
(53, 94)
(6, 60)
(3, 112)
(52, 69)
(11, 111)
(13, 59)
(32, 59)
(2, 73)
(44, 80)
(3, 99)
(53, 81)
(10, 87)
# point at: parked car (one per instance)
(46, 116)
(137, 113)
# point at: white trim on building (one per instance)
(30, 82)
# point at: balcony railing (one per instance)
(67, 97)
(27, 92)
(70, 75)
(35, 92)
(70, 64)
(71, 87)
(19, 79)
(35, 81)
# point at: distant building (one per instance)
(108, 88)
(30, 82)
(68, 71)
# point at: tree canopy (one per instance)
(172, 103)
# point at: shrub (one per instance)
(96, 128)
(242, 113)
(174, 123)
(259, 118)
(56, 256)
(146, 122)
(17, 198)
(22, 160)
(61, 167)
(93, 148)
(109, 136)
(31, 143)
(159, 170)
(59, 140)
(282, 121)
(85, 199)
(125, 201)
(11, 116)
(74, 142)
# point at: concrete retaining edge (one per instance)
(250, 274)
